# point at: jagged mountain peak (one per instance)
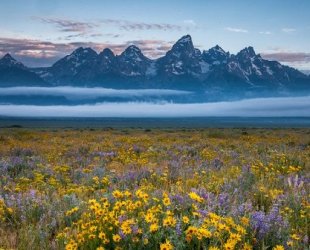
(107, 53)
(247, 52)
(217, 49)
(197, 52)
(14, 73)
(132, 62)
(106, 60)
(132, 51)
(9, 61)
(133, 48)
(184, 42)
(182, 59)
(8, 56)
(216, 55)
(183, 48)
(77, 65)
(82, 50)
(185, 39)
(78, 57)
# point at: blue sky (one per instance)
(40, 32)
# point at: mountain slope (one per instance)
(14, 73)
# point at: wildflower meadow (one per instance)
(154, 189)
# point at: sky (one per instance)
(39, 32)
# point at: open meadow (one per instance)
(154, 188)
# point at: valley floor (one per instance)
(124, 188)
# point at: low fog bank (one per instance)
(259, 107)
(76, 93)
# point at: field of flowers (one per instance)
(154, 189)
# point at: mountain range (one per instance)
(182, 67)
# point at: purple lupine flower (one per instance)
(178, 199)
(137, 149)
(105, 154)
(260, 224)
(122, 218)
(178, 228)
(223, 199)
(306, 240)
(271, 222)
(203, 212)
(121, 233)
(32, 193)
(296, 181)
(242, 209)
(135, 229)
(246, 169)
(217, 163)
(234, 155)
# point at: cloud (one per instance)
(37, 53)
(287, 56)
(152, 48)
(261, 107)
(82, 27)
(299, 60)
(238, 30)
(135, 26)
(67, 25)
(34, 52)
(307, 72)
(190, 22)
(288, 30)
(76, 93)
(265, 32)
(85, 36)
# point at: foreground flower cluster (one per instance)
(138, 221)
(154, 189)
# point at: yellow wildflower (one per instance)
(116, 238)
(166, 246)
(278, 247)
